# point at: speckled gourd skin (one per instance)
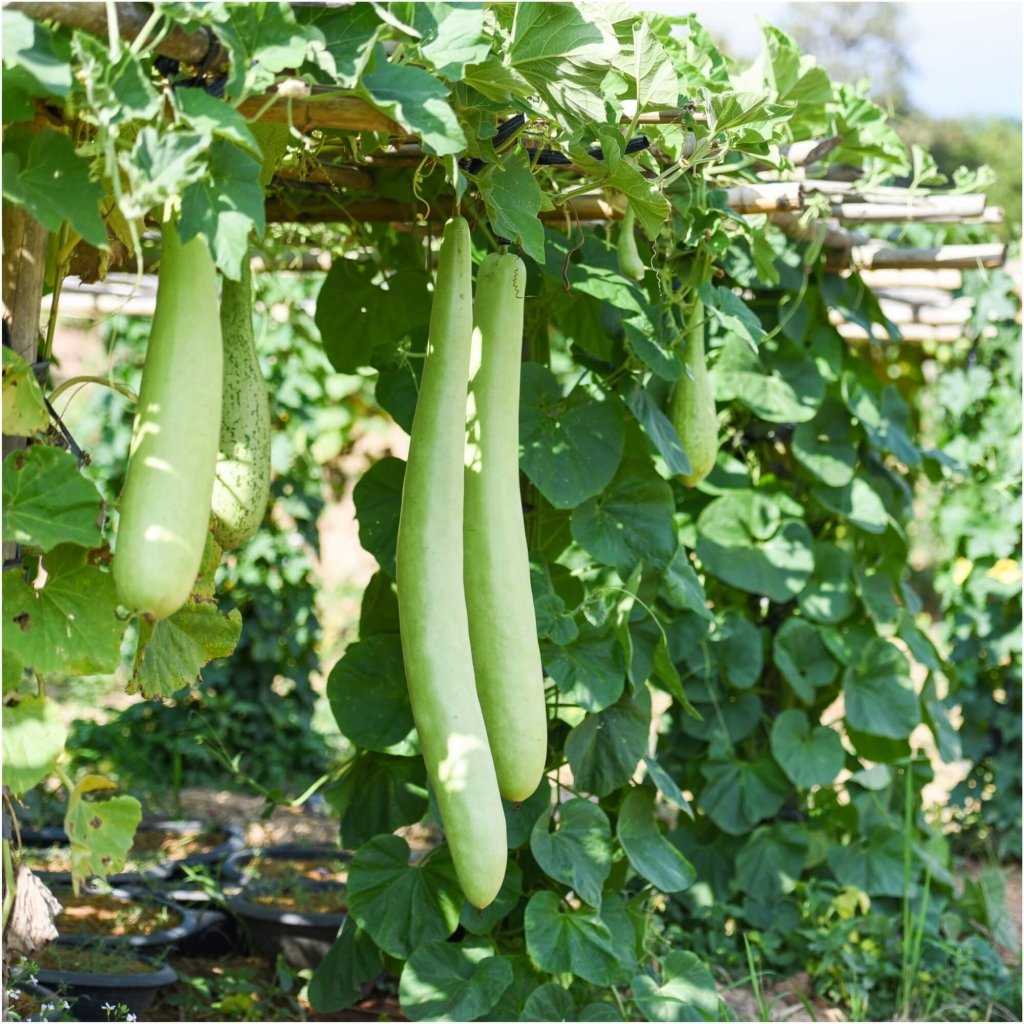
(241, 489)
(431, 593)
(502, 624)
(165, 505)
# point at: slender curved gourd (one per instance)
(502, 625)
(165, 505)
(692, 408)
(241, 489)
(431, 594)
(630, 263)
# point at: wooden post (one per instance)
(24, 269)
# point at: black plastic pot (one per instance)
(156, 944)
(88, 991)
(302, 938)
(234, 840)
(216, 933)
(235, 867)
(157, 872)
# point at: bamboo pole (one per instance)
(24, 270)
(770, 197)
(829, 235)
(951, 315)
(939, 209)
(585, 208)
(913, 333)
(581, 208)
(988, 255)
(188, 47)
(809, 151)
(341, 177)
(946, 279)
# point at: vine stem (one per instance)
(9, 882)
(121, 389)
(621, 1004)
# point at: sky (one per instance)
(966, 54)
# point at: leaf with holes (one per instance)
(70, 624)
(25, 411)
(47, 501)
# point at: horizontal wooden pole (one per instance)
(944, 209)
(912, 333)
(582, 208)
(948, 279)
(988, 255)
(770, 197)
(187, 47)
(342, 177)
(954, 314)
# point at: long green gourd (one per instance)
(241, 489)
(431, 593)
(692, 407)
(502, 625)
(165, 505)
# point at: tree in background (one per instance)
(957, 143)
(854, 41)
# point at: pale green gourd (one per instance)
(241, 489)
(165, 505)
(502, 625)
(431, 594)
(630, 263)
(692, 407)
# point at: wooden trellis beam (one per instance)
(589, 208)
(912, 332)
(988, 255)
(945, 279)
(132, 18)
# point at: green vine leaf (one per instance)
(225, 205)
(513, 199)
(47, 501)
(687, 990)
(24, 408)
(70, 624)
(402, 906)
(649, 853)
(447, 982)
(101, 832)
(416, 100)
(579, 853)
(172, 652)
(34, 737)
(565, 941)
(43, 173)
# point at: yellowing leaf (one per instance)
(1005, 571)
